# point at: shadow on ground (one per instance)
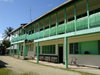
(2, 64)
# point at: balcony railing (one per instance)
(82, 23)
(19, 38)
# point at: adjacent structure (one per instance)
(68, 34)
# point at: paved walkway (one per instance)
(83, 69)
(22, 66)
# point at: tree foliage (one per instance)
(7, 32)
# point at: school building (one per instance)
(68, 34)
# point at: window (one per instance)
(73, 48)
(86, 47)
(48, 49)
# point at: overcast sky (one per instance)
(15, 12)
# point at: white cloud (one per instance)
(6, 0)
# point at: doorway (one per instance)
(60, 53)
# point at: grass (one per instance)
(82, 73)
(5, 71)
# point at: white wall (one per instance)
(85, 59)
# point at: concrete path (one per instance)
(83, 69)
(22, 66)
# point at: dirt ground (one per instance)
(22, 66)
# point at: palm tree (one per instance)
(7, 32)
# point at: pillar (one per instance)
(65, 17)
(56, 22)
(18, 49)
(24, 49)
(66, 51)
(10, 50)
(87, 6)
(37, 54)
(13, 50)
(75, 16)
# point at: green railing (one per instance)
(19, 38)
(53, 31)
(61, 28)
(95, 20)
(46, 32)
(82, 23)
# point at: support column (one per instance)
(49, 24)
(43, 27)
(38, 29)
(66, 51)
(34, 28)
(24, 50)
(13, 50)
(18, 50)
(10, 50)
(56, 22)
(37, 54)
(87, 6)
(75, 16)
(65, 18)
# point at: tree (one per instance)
(7, 32)
(5, 44)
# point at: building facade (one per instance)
(68, 34)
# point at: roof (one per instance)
(67, 2)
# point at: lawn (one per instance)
(5, 71)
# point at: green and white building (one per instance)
(68, 34)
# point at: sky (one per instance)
(15, 12)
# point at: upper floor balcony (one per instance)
(19, 38)
(79, 16)
(72, 26)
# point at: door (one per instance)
(60, 53)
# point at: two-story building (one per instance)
(68, 34)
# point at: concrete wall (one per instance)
(30, 53)
(81, 59)
(52, 42)
(85, 59)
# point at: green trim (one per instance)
(24, 49)
(56, 22)
(18, 48)
(87, 6)
(34, 28)
(37, 52)
(71, 34)
(43, 26)
(66, 51)
(38, 29)
(75, 15)
(49, 24)
(65, 11)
